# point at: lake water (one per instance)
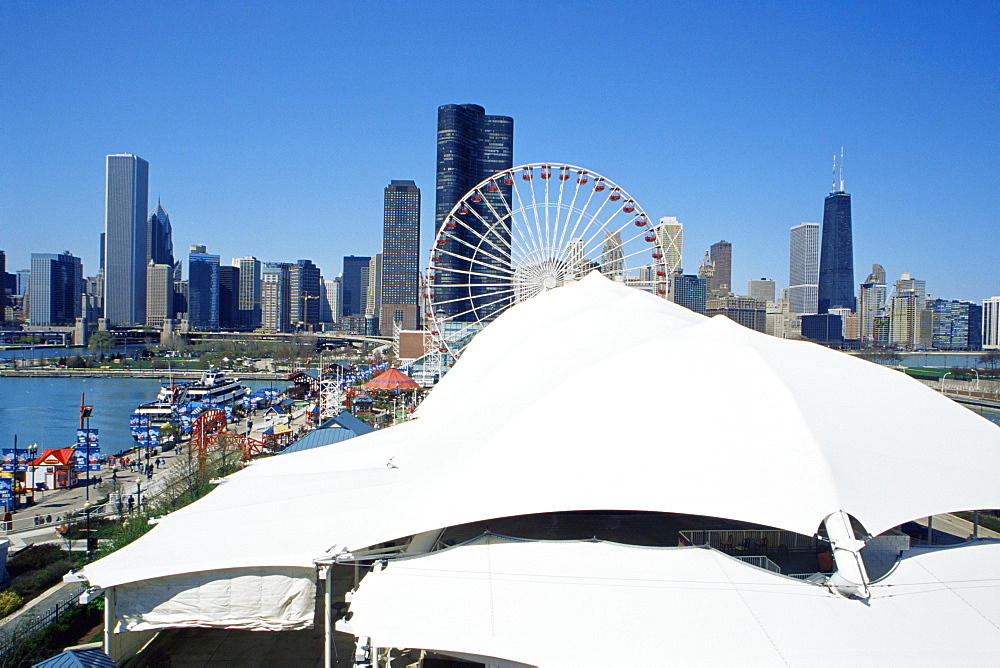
(46, 411)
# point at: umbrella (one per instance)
(392, 379)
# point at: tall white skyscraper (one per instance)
(612, 257)
(126, 197)
(670, 235)
(991, 323)
(803, 268)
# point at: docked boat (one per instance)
(215, 388)
(160, 409)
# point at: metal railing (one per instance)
(760, 561)
(748, 542)
(32, 621)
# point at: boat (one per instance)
(215, 388)
(161, 409)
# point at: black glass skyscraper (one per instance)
(400, 256)
(836, 257)
(472, 146)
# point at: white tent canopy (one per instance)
(602, 604)
(596, 396)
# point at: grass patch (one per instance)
(987, 519)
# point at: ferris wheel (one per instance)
(527, 230)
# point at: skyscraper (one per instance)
(229, 297)
(472, 146)
(871, 306)
(836, 259)
(911, 323)
(304, 285)
(249, 292)
(355, 284)
(957, 324)
(721, 254)
(688, 290)
(203, 290)
(275, 298)
(55, 289)
(400, 257)
(373, 294)
(612, 256)
(991, 323)
(126, 196)
(159, 239)
(803, 268)
(159, 293)
(670, 234)
(762, 289)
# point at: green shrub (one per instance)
(34, 557)
(33, 583)
(9, 602)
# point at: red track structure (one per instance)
(208, 433)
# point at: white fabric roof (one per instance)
(543, 603)
(600, 396)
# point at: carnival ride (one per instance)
(208, 434)
(527, 230)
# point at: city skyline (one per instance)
(256, 141)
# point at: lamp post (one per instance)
(32, 453)
(86, 510)
(14, 473)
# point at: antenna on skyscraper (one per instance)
(841, 169)
(833, 181)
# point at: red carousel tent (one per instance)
(392, 379)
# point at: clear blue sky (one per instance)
(272, 128)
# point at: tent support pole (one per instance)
(328, 618)
(975, 525)
(930, 530)
(109, 619)
(850, 577)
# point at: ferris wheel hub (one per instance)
(549, 281)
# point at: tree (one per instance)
(101, 342)
(990, 359)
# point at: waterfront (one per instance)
(46, 410)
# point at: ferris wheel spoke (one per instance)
(502, 219)
(478, 251)
(526, 230)
(584, 212)
(470, 272)
(531, 240)
(572, 208)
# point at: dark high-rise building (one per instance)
(229, 297)
(721, 254)
(203, 290)
(305, 285)
(957, 325)
(689, 291)
(836, 256)
(126, 196)
(355, 282)
(55, 289)
(400, 257)
(159, 240)
(472, 146)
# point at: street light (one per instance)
(32, 453)
(86, 510)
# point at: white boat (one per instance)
(160, 409)
(215, 387)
